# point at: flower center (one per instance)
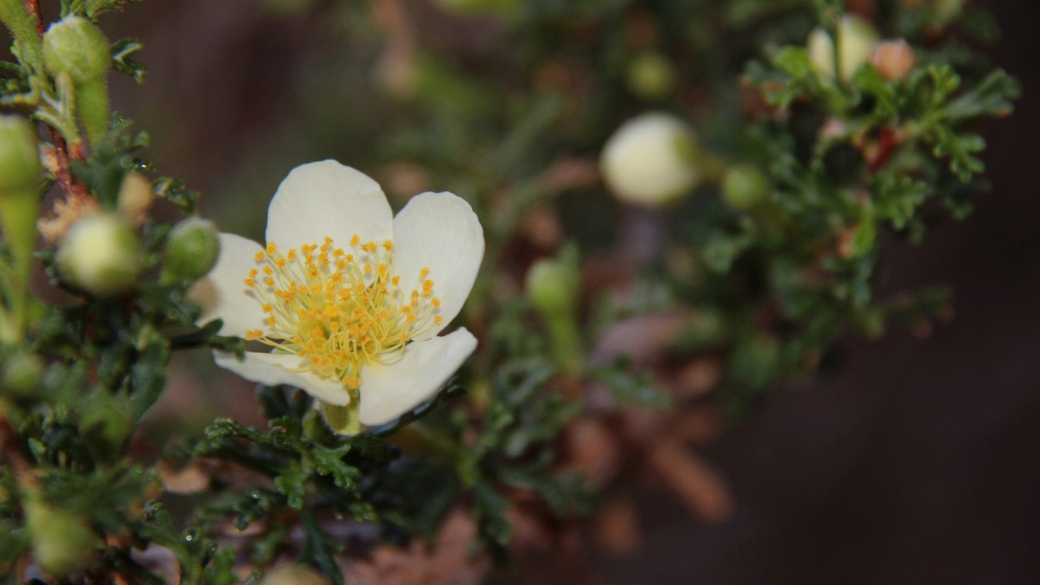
(339, 310)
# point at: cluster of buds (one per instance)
(100, 251)
(858, 43)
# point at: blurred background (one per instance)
(916, 461)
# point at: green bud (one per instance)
(479, 7)
(62, 542)
(293, 575)
(192, 249)
(552, 287)
(745, 187)
(651, 76)
(755, 362)
(100, 254)
(22, 372)
(19, 156)
(77, 47)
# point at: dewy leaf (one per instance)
(330, 462)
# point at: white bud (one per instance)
(856, 41)
(651, 160)
(100, 254)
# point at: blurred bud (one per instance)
(651, 160)
(191, 249)
(478, 7)
(77, 47)
(22, 372)
(651, 76)
(745, 187)
(19, 156)
(62, 542)
(100, 254)
(894, 59)
(755, 361)
(947, 10)
(293, 575)
(856, 41)
(552, 287)
(135, 197)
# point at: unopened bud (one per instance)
(22, 372)
(651, 76)
(62, 542)
(947, 10)
(552, 287)
(651, 160)
(894, 59)
(293, 575)
(77, 47)
(19, 156)
(856, 41)
(192, 249)
(135, 197)
(745, 187)
(100, 254)
(478, 7)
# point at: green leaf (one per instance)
(122, 61)
(319, 549)
(992, 97)
(292, 483)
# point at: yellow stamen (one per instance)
(340, 314)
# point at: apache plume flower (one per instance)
(350, 298)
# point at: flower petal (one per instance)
(387, 392)
(439, 231)
(328, 199)
(222, 294)
(273, 369)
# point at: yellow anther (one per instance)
(271, 248)
(423, 273)
(333, 313)
(259, 257)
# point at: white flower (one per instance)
(856, 41)
(350, 298)
(651, 160)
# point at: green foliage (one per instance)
(772, 271)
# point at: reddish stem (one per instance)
(33, 6)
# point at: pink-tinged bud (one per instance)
(894, 59)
